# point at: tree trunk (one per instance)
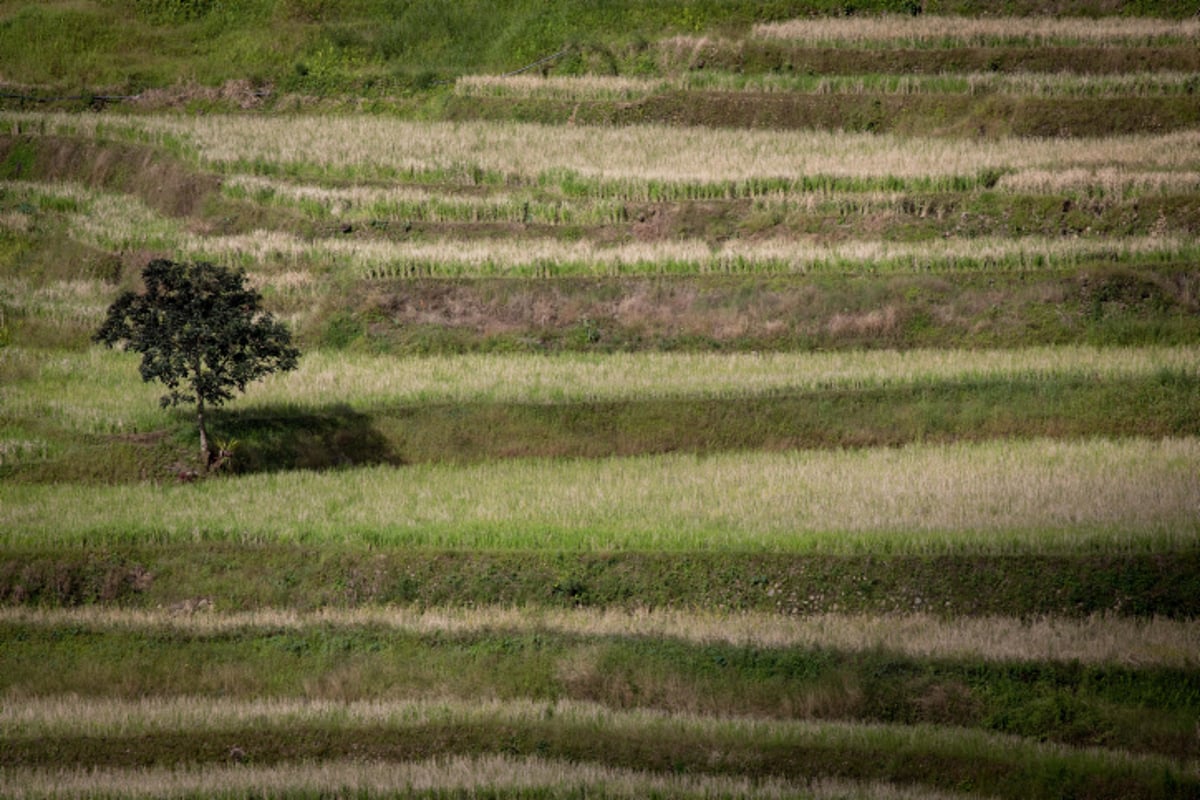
(203, 434)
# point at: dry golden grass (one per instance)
(339, 199)
(594, 88)
(928, 29)
(543, 257)
(591, 87)
(1105, 182)
(120, 223)
(73, 714)
(463, 152)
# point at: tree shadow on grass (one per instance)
(281, 438)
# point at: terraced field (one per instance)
(765, 403)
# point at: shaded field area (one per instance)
(1165, 406)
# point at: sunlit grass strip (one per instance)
(999, 497)
(474, 152)
(1146, 84)
(929, 30)
(1028, 84)
(598, 88)
(96, 391)
(1099, 639)
(365, 381)
(422, 204)
(100, 391)
(544, 257)
(493, 775)
(88, 716)
(458, 176)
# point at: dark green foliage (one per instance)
(341, 330)
(200, 331)
(18, 163)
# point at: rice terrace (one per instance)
(696, 399)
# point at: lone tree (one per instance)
(201, 332)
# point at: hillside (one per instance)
(772, 399)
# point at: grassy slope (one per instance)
(402, 56)
(897, 701)
(316, 45)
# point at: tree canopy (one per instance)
(201, 332)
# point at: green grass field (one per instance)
(778, 399)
